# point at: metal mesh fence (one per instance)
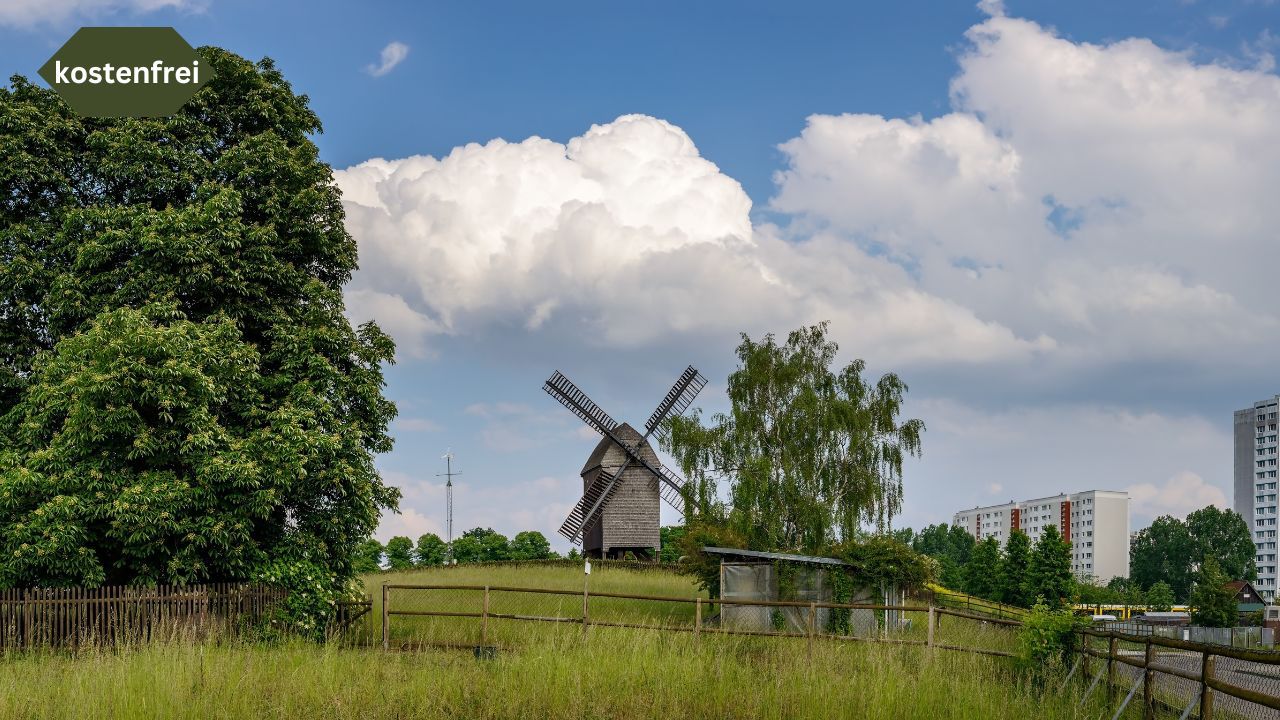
(473, 616)
(1241, 637)
(1246, 686)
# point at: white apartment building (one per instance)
(1256, 453)
(1095, 522)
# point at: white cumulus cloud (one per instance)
(1112, 197)
(622, 237)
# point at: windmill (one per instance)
(623, 478)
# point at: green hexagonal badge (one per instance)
(126, 71)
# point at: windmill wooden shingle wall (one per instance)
(629, 520)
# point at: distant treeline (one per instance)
(474, 545)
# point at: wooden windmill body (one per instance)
(629, 521)
(623, 480)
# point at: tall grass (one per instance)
(610, 674)
(542, 669)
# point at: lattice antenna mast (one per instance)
(448, 501)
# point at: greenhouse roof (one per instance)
(735, 552)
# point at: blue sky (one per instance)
(1051, 218)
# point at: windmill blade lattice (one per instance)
(678, 398)
(568, 394)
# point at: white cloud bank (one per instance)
(1179, 496)
(1112, 197)
(1089, 204)
(28, 13)
(624, 236)
(392, 55)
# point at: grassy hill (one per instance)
(606, 577)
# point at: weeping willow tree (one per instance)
(810, 455)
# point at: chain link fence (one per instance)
(1167, 677)
(1241, 637)
(483, 617)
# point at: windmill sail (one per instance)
(587, 510)
(675, 490)
(568, 394)
(678, 398)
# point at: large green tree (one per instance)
(430, 550)
(1224, 536)
(530, 545)
(951, 546)
(1015, 567)
(481, 545)
(1163, 552)
(181, 396)
(810, 453)
(1049, 576)
(1169, 549)
(1212, 602)
(399, 553)
(981, 573)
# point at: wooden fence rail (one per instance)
(484, 614)
(70, 617)
(1198, 665)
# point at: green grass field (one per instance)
(624, 674)
(542, 670)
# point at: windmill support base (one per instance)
(618, 553)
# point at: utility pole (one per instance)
(448, 495)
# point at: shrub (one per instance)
(1046, 639)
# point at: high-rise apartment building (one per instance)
(1255, 484)
(1095, 522)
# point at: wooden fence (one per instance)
(1248, 680)
(940, 596)
(484, 611)
(70, 617)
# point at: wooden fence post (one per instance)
(813, 624)
(697, 620)
(586, 616)
(1112, 652)
(1149, 683)
(1085, 646)
(1206, 692)
(26, 618)
(933, 622)
(386, 619)
(484, 621)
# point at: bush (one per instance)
(881, 559)
(706, 568)
(1047, 638)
